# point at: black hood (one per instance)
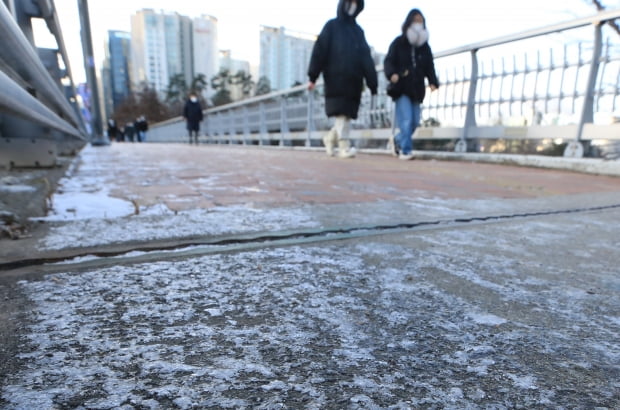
(343, 5)
(409, 20)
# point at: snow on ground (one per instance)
(162, 224)
(97, 219)
(399, 323)
(521, 314)
(79, 206)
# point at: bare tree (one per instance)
(143, 101)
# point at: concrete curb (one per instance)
(595, 166)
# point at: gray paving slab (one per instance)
(517, 314)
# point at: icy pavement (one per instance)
(492, 316)
(138, 193)
(517, 312)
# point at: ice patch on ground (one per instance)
(196, 223)
(80, 206)
(487, 319)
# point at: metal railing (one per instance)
(37, 122)
(488, 93)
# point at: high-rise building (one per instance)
(116, 80)
(161, 48)
(169, 44)
(284, 56)
(231, 64)
(235, 66)
(105, 82)
(205, 48)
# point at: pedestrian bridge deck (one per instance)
(372, 189)
(370, 282)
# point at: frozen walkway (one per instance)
(230, 277)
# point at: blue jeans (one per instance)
(407, 119)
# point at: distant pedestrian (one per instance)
(342, 55)
(130, 131)
(141, 126)
(192, 112)
(113, 131)
(408, 62)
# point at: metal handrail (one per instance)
(277, 117)
(21, 56)
(17, 101)
(594, 20)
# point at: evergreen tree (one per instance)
(245, 81)
(220, 84)
(177, 89)
(199, 83)
(263, 86)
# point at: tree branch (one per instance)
(612, 23)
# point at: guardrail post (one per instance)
(574, 148)
(231, 125)
(262, 126)
(246, 126)
(284, 129)
(220, 127)
(310, 124)
(470, 114)
(89, 67)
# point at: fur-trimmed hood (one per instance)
(343, 5)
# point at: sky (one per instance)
(451, 23)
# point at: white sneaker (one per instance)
(329, 140)
(405, 157)
(345, 150)
(350, 153)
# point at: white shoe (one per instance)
(344, 150)
(405, 157)
(350, 153)
(329, 140)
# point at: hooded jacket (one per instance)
(342, 55)
(193, 115)
(412, 64)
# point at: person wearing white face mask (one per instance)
(342, 55)
(192, 112)
(408, 63)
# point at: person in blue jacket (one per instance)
(343, 56)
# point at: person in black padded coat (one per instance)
(342, 55)
(192, 113)
(408, 63)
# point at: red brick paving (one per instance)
(188, 177)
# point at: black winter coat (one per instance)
(400, 60)
(342, 54)
(193, 115)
